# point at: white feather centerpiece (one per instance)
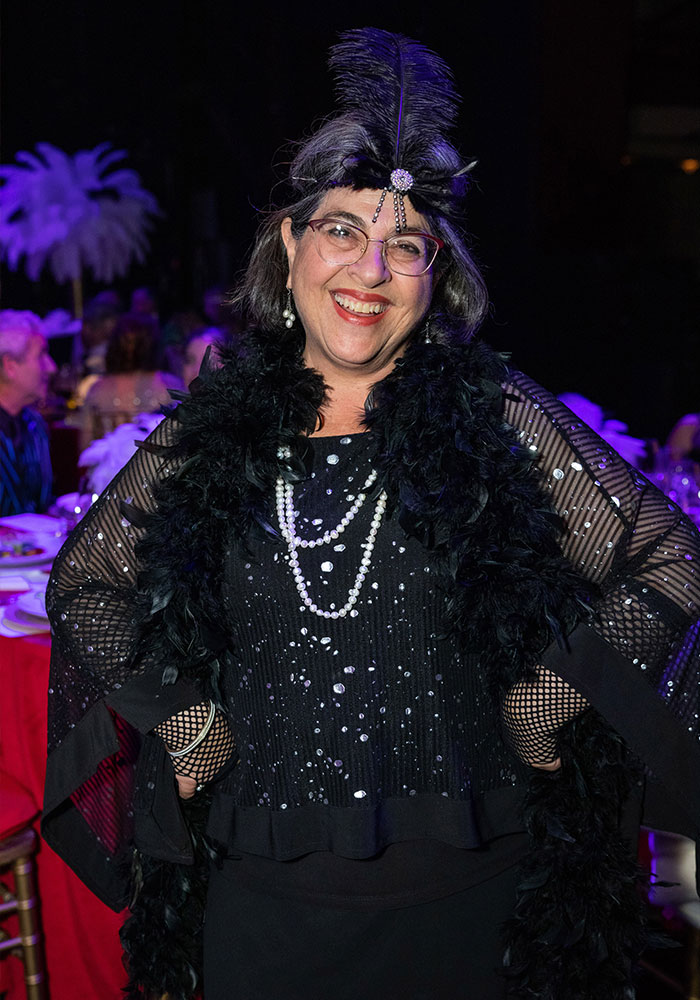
(632, 449)
(103, 458)
(73, 213)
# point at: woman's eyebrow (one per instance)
(355, 220)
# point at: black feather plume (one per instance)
(403, 91)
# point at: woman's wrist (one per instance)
(199, 738)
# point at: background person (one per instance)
(132, 382)
(143, 301)
(196, 348)
(99, 321)
(25, 370)
(684, 439)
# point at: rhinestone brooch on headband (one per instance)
(401, 182)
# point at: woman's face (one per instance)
(332, 300)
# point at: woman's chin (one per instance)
(356, 358)
(356, 350)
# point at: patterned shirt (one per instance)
(25, 463)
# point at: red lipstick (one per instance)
(361, 319)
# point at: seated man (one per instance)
(25, 369)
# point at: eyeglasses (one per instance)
(410, 253)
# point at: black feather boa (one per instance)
(162, 938)
(578, 925)
(458, 482)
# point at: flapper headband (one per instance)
(398, 104)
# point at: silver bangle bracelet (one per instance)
(200, 736)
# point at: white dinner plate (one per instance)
(47, 545)
(34, 524)
(33, 603)
(11, 586)
(15, 622)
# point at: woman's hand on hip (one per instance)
(553, 766)
(186, 787)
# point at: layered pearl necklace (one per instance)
(286, 516)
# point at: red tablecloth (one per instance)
(83, 954)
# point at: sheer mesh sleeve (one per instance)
(639, 549)
(93, 604)
(207, 759)
(109, 781)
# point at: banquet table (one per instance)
(81, 934)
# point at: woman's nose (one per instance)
(371, 269)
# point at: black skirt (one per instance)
(263, 947)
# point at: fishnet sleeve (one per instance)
(624, 535)
(207, 759)
(533, 713)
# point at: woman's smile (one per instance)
(359, 307)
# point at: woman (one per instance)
(394, 574)
(132, 383)
(684, 440)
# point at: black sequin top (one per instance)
(359, 732)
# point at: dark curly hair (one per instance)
(134, 345)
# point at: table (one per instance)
(83, 952)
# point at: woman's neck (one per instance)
(343, 412)
(344, 408)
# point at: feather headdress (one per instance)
(405, 91)
(398, 104)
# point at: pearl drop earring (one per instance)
(288, 313)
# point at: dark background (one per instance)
(579, 113)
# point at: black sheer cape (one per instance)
(121, 665)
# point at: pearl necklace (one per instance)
(287, 521)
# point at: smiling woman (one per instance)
(391, 620)
(357, 316)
